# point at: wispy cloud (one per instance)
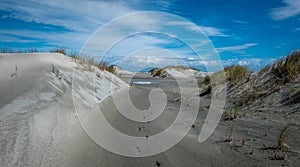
(292, 8)
(208, 30)
(241, 21)
(236, 48)
(212, 31)
(71, 14)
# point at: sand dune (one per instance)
(39, 125)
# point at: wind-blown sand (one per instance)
(39, 125)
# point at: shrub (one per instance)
(286, 69)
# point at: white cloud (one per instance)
(243, 63)
(212, 31)
(150, 57)
(71, 14)
(236, 48)
(297, 29)
(292, 8)
(254, 64)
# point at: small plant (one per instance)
(112, 68)
(282, 138)
(206, 80)
(229, 136)
(232, 114)
(102, 65)
(279, 155)
(15, 74)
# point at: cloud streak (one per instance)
(236, 48)
(292, 8)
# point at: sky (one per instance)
(251, 33)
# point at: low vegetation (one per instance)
(286, 69)
(282, 139)
(266, 69)
(158, 72)
(237, 74)
(10, 50)
(60, 50)
(86, 61)
(112, 68)
(232, 114)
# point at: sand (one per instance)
(39, 125)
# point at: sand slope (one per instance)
(39, 125)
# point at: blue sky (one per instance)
(249, 32)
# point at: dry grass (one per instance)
(10, 50)
(102, 65)
(232, 114)
(112, 68)
(237, 74)
(230, 136)
(265, 70)
(206, 80)
(282, 139)
(60, 50)
(160, 72)
(286, 69)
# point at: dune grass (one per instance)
(10, 50)
(282, 139)
(232, 114)
(286, 69)
(160, 72)
(237, 74)
(60, 50)
(264, 70)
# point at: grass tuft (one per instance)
(286, 69)
(60, 50)
(237, 74)
(282, 139)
